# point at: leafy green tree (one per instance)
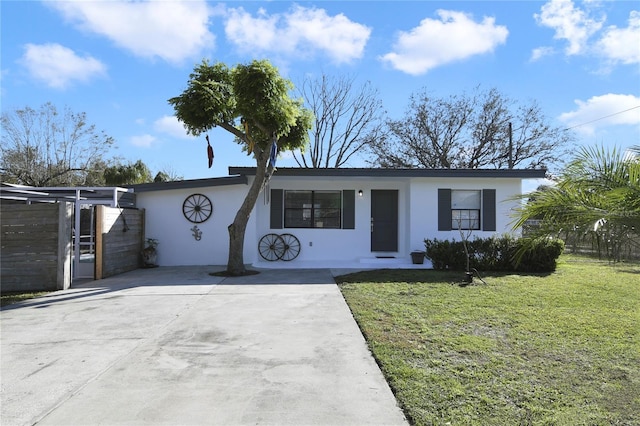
(167, 174)
(252, 102)
(597, 195)
(47, 147)
(162, 177)
(127, 174)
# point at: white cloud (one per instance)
(58, 66)
(301, 31)
(143, 141)
(540, 52)
(170, 125)
(530, 185)
(588, 36)
(255, 33)
(622, 44)
(170, 30)
(605, 110)
(341, 38)
(454, 37)
(569, 23)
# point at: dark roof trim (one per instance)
(192, 183)
(384, 173)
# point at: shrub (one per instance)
(445, 254)
(539, 255)
(504, 253)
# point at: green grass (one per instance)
(558, 349)
(14, 297)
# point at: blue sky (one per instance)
(121, 61)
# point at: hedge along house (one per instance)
(328, 217)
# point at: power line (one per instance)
(602, 118)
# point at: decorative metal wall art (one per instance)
(197, 208)
(197, 233)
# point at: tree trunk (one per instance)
(235, 264)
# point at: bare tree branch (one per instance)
(47, 148)
(347, 119)
(469, 131)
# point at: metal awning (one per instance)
(112, 196)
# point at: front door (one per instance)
(384, 220)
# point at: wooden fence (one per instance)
(119, 240)
(37, 252)
(36, 246)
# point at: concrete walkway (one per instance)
(177, 346)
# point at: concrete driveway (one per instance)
(177, 346)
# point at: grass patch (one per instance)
(14, 297)
(554, 349)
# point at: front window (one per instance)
(312, 209)
(465, 209)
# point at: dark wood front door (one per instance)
(384, 220)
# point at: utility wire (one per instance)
(602, 118)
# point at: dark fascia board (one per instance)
(191, 183)
(395, 173)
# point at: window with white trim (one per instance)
(465, 209)
(312, 209)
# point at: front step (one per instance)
(393, 262)
(384, 260)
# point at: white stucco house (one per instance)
(335, 217)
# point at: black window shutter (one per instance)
(348, 209)
(276, 208)
(444, 210)
(488, 209)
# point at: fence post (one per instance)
(63, 274)
(99, 259)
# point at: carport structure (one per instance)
(82, 240)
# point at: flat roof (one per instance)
(392, 173)
(190, 183)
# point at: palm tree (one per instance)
(597, 196)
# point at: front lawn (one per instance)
(556, 349)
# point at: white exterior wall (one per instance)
(177, 246)
(318, 244)
(424, 206)
(417, 218)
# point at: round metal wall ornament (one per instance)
(197, 208)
